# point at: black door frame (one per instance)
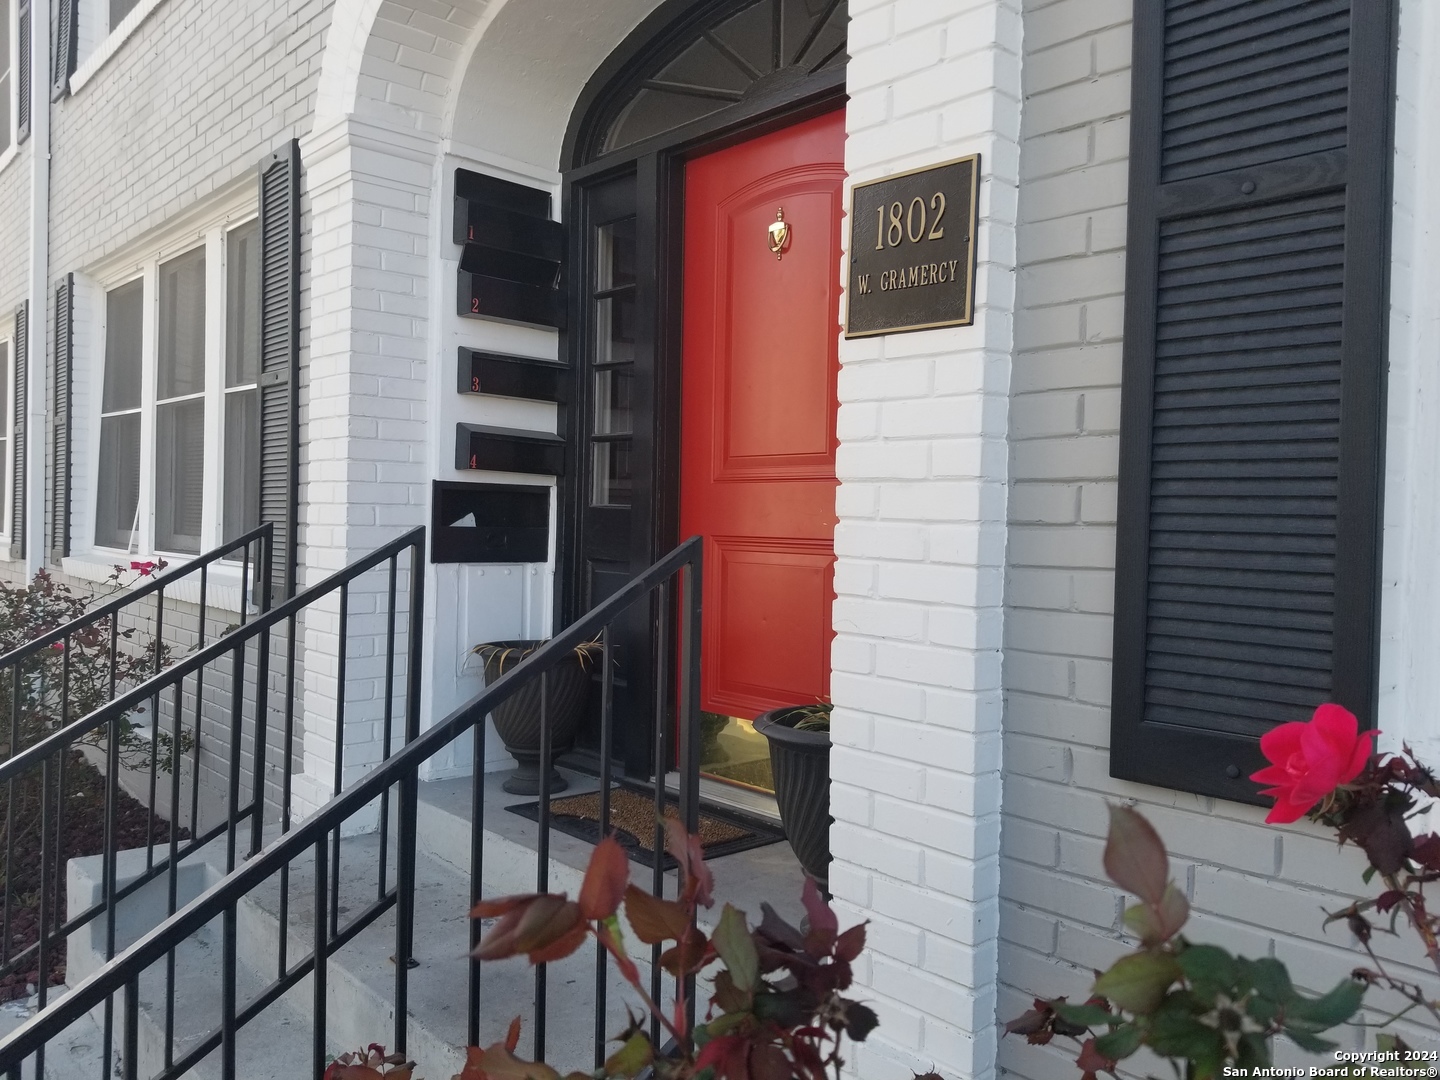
(657, 166)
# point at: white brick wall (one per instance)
(920, 544)
(1254, 888)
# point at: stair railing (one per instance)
(246, 704)
(317, 839)
(90, 656)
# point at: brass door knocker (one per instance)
(779, 234)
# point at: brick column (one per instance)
(921, 545)
(364, 444)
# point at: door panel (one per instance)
(758, 411)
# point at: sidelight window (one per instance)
(613, 364)
(179, 425)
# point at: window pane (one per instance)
(242, 306)
(615, 329)
(242, 462)
(611, 480)
(615, 255)
(124, 309)
(5, 109)
(118, 480)
(4, 392)
(612, 401)
(182, 325)
(179, 475)
(119, 9)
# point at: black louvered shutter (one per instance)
(1247, 561)
(18, 403)
(67, 13)
(60, 419)
(22, 75)
(280, 356)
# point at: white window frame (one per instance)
(7, 428)
(212, 235)
(96, 47)
(13, 14)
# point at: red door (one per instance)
(759, 403)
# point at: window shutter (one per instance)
(60, 466)
(22, 75)
(280, 356)
(17, 432)
(67, 12)
(1252, 430)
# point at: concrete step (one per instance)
(361, 989)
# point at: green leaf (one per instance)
(1368, 874)
(1253, 1052)
(1135, 856)
(1086, 1016)
(1175, 1034)
(1210, 965)
(1137, 983)
(1269, 977)
(1309, 1042)
(736, 947)
(632, 1058)
(1120, 1043)
(1323, 1013)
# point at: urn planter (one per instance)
(800, 763)
(517, 719)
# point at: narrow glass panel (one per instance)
(124, 310)
(615, 255)
(615, 329)
(613, 387)
(182, 326)
(242, 305)
(179, 475)
(118, 481)
(611, 483)
(242, 462)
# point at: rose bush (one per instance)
(1207, 1010)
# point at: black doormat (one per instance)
(632, 816)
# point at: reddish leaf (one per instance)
(1135, 856)
(850, 944)
(560, 947)
(539, 926)
(820, 939)
(768, 1062)
(606, 879)
(726, 1055)
(512, 1037)
(1387, 900)
(1092, 1061)
(1034, 1025)
(699, 883)
(687, 956)
(502, 905)
(655, 920)
(499, 1063)
(1427, 852)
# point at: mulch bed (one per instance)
(83, 834)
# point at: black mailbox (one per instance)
(495, 523)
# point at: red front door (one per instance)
(759, 404)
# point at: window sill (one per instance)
(111, 45)
(223, 591)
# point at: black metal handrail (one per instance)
(249, 669)
(158, 584)
(253, 551)
(319, 834)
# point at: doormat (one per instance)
(632, 815)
